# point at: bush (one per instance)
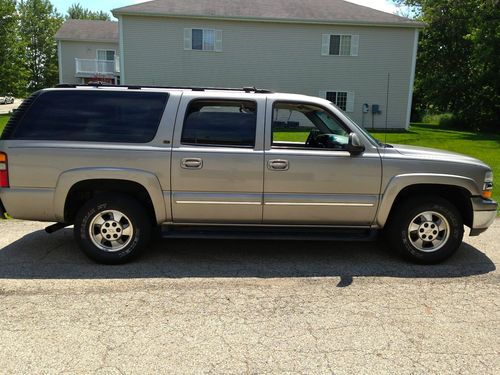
(436, 118)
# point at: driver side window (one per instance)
(302, 125)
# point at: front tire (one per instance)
(112, 228)
(425, 230)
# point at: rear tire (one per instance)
(112, 228)
(425, 230)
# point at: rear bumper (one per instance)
(484, 214)
(28, 204)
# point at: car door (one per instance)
(217, 159)
(309, 176)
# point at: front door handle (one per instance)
(278, 165)
(191, 163)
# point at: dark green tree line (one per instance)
(458, 63)
(12, 70)
(28, 50)
(39, 22)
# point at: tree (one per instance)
(13, 74)
(77, 12)
(458, 64)
(39, 22)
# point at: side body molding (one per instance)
(399, 182)
(147, 179)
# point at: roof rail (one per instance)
(193, 88)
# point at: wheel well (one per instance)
(82, 191)
(456, 195)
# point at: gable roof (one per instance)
(88, 30)
(297, 11)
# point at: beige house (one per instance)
(88, 51)
(359, 58)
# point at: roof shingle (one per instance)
(316, 11)
(88, 30)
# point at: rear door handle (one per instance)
(278, 164)
(191, 163)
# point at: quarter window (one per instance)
(93, 116)
(226, 123)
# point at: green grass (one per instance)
(3, 121)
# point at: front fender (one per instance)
(148, 180)
(399, 182)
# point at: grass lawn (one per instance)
(3, 121)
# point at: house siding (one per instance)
(71, 50)
(278, 56)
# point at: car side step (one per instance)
(55, 227)
(268, 233)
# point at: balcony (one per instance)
(89, 67)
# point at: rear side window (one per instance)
(229, 123)
(93, 116)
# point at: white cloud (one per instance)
(383, 5)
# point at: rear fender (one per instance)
(148, 180)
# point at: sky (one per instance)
(107, 5)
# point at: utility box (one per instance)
(376, 109)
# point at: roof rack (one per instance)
(193, 88)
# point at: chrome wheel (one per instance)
(111, 230)
(428, 231)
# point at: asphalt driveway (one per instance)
(199, 306)
(7, 108)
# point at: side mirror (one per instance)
(355, 147)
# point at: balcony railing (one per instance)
(96, 67)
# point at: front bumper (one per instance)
(484, 214)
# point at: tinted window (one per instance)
(220, 123)
(93, 116)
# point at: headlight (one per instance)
(488, 185)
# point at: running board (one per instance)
(268, 233)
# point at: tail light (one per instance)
(4, 171)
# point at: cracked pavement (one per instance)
(245, 307)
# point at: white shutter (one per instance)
(325, 45)
(349, 107)
(322, 94)
(188, 35)
(354, 45)
(218, 40)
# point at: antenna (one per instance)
(387, 106)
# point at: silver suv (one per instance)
(116, 162)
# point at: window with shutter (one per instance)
(342, 99)
(339, 45)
